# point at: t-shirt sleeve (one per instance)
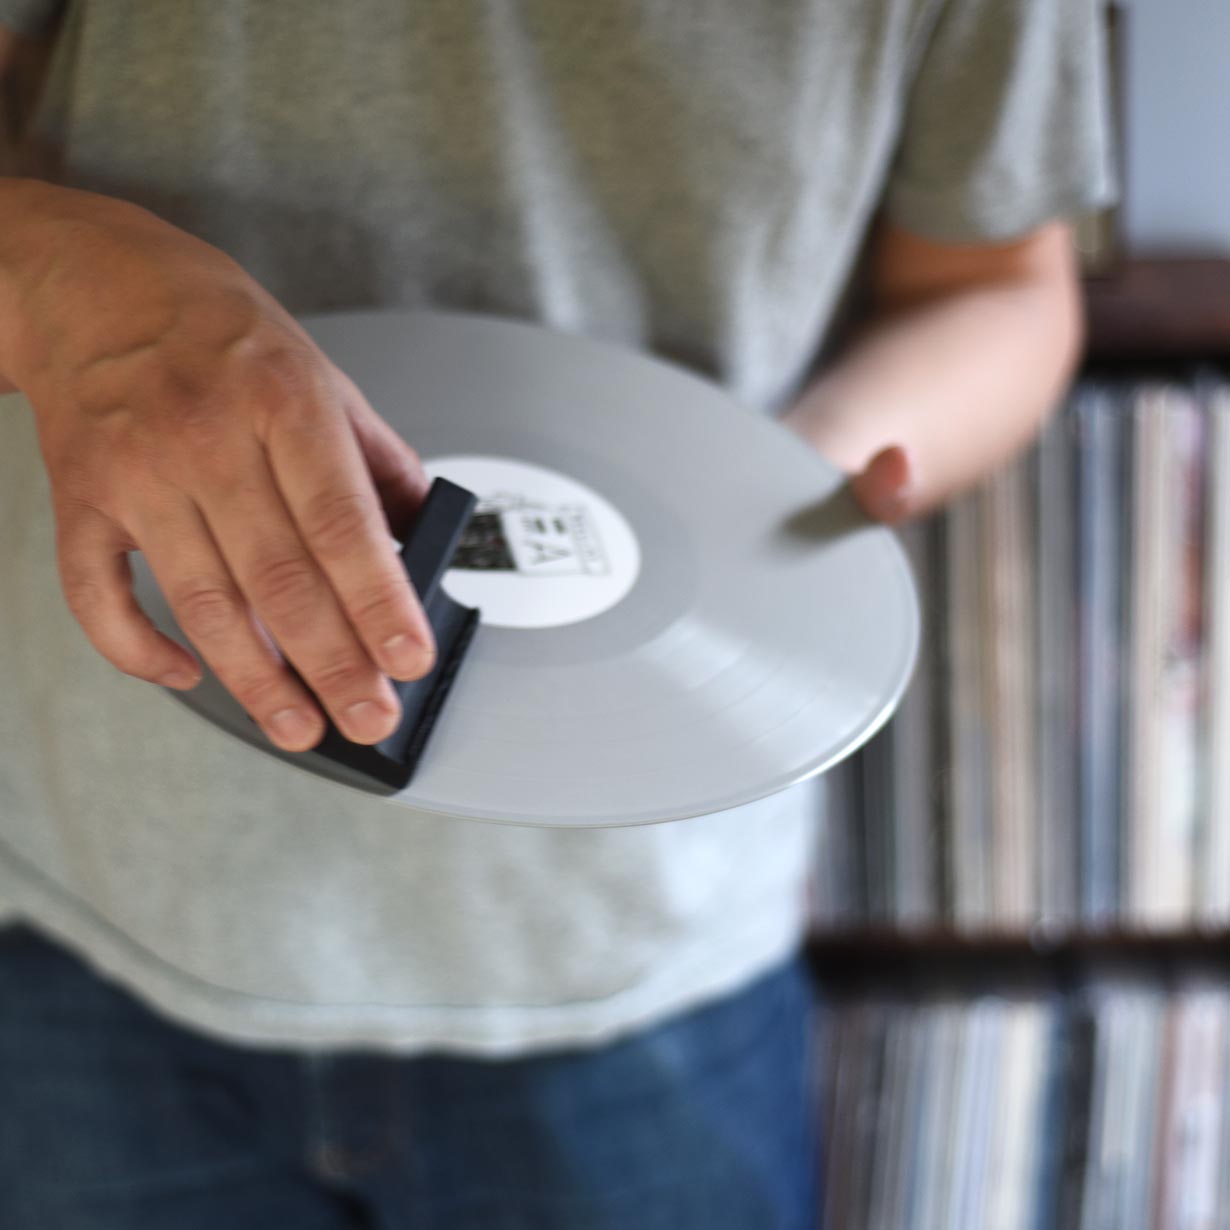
(32, 17)
(1006, 122)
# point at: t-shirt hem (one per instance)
(496, 1031)
(945, 218)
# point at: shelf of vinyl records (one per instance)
(1092, 1105)
(1021, 892)
(1059, 768)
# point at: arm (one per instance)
(21, 243)
(17, 53)
(968, 350)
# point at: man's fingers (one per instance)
(292, 597)
(321, 474)
(92, 554)
(216, 618)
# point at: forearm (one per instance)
(960, 380)
(25, 206)
(12, 194)
(23, 63)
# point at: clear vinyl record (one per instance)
(682, 608)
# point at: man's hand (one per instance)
(182, 412)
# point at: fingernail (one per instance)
(179, 680)
(367, 722)
(405, 656)
(295, 727)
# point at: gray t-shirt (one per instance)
(690, 177)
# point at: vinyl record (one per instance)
(682, 608)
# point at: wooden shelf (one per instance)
(1159, 309)
(1039, 940)
(920, 957)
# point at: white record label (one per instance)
(541, 549)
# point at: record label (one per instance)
(541, 550)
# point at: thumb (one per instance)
(885, 488)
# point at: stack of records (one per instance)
(1108, 1106)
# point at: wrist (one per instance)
(27, 207)
(39, 222)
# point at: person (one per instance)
(235, 994)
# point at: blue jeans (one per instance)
(114, 1118)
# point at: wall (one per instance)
(1177, 121)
